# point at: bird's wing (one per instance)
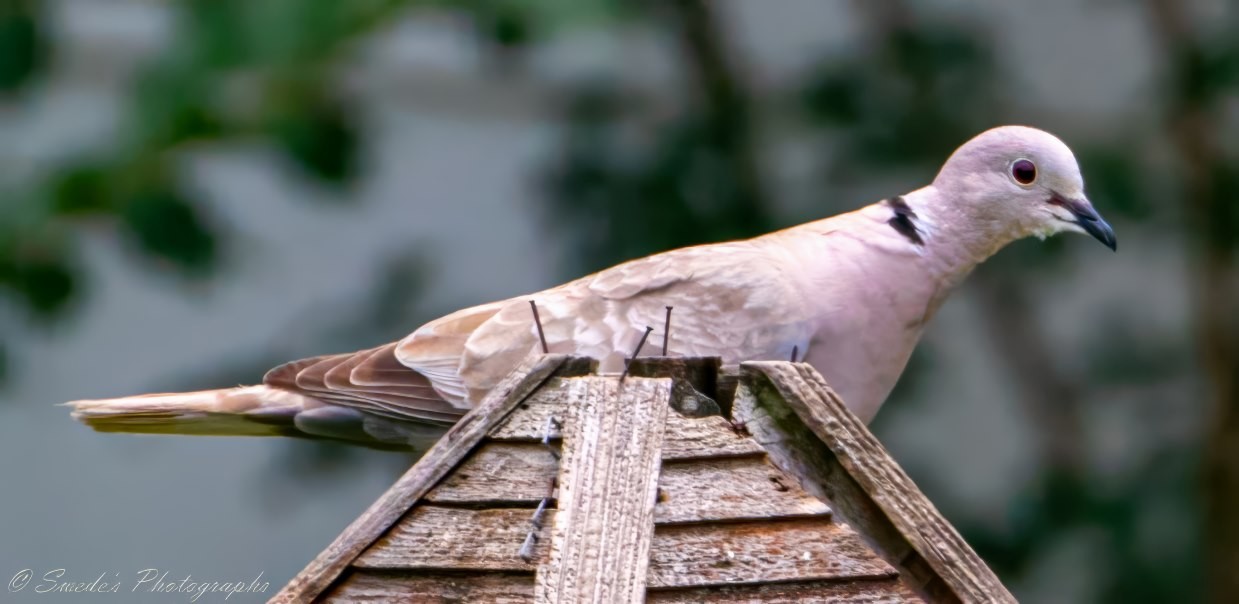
(733, 300)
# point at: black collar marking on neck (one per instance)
(902, 220)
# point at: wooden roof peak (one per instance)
(680, 482)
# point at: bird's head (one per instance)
(1018, 181)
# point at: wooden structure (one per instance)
(565, 486)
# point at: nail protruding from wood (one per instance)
(535, 524)
(538, 321)
(666, 331)
(636, 352)
(795, 353)
(552, 424)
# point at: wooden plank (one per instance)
(699, 555)
(499, 473)
(704, 490)
(432, 467)
(809, 432)
(705, 437)
(365, 586)
(730, 489)
(687, 437)
(457, 539)
(608, 480)
(880, 591)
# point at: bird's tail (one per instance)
(243, 411)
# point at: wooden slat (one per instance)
(687, 438)
(810, 433)
(760, 552)
(459, 539)
(499, 473)
(880, 591)
(730, 489)
(381, 587)
(705, 437)
(432, 467)
(608, 479)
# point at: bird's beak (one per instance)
(1087, 218)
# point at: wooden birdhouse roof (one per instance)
(564, 485)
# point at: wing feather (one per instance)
(730, 300)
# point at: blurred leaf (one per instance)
(167, 225)
(44, 279)
(1118, 185)
(508, 26)
(318, 135)
(620, 203)
(1225, 221)
(214, 33)
(298, 32)
(173, 105)
(515, 23)
(910, 101)
(82, 190)
(1208, 70)
(834, 96)
(21, 43)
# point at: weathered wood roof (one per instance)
(649, 493)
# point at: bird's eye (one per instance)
(1024, 171)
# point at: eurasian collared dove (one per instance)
(852, 293)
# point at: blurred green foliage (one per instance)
(616, 199)
(908, 99)
(22, 44)
(235, 71)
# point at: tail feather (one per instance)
(253, 411)
(245, 411)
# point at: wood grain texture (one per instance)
(700, 490)
(433, 466)
(794, 448)
(367, 586)
(499, 473)
(608, 479)
(687, 438)
(791, 397)
(730, 489)
(868, 591)
(760, 552)
(458, 539)
(705, 437)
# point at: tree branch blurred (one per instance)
(1202, 73)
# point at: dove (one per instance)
(852, 293)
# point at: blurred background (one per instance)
(194, 191)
